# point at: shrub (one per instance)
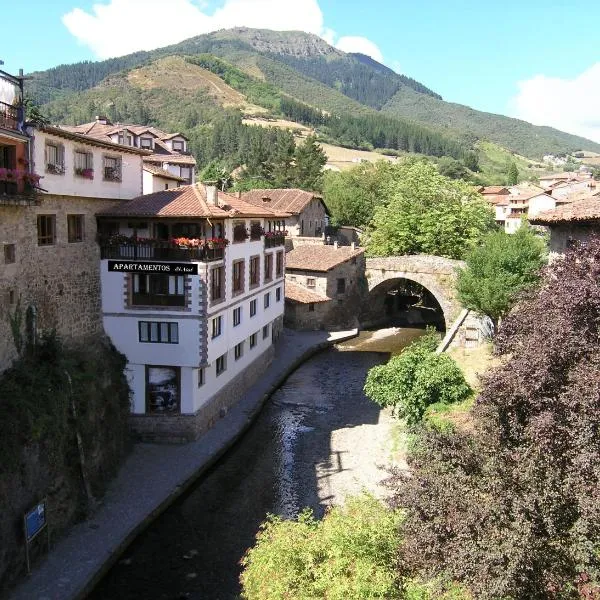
(350, 553)
(511, 510)
(415, 379)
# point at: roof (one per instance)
(85, 139)
(302, 295)
(494, 190)
(104, 130)
(161, 172)
(528, 195)
(566, 175)
(187, 201)
(174, 135)
(292, 200)
(580, 210)
(319, 257)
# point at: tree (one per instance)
(415, 379)
(350, 553)
(216, 172)
(498, 270)
(512, 173)
(471, 160)
(425, 212)
(351, 196)
(511, 509)
(452, 168)
(309, 159)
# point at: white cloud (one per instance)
(118, 27)
(357, 43)
(567, 104)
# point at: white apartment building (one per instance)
(193, 296)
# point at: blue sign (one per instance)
(35, 521)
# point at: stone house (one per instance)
(193, 296)
(49, 255)
(577, 221)
(308, 214)
(168, 153)
(326, 286)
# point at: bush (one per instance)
(351, 553)
(415, 379)
(512, 510)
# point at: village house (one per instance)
(168, 163)
(576, 221)
(193, 295)
(323, 286)
(52, 183)
(548, 181)
(308, 214)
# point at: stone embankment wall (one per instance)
(61, 280)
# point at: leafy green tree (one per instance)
(415, 379)
(428, 213)
(452, 168)
(351, 196)
(471, 161)
(218, 173)
(309, 160)
(512, 173)
(350, 553)
(498, 270)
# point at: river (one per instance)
(317, 439)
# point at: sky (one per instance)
(538, 60)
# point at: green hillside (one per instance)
(299, 66)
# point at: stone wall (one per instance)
(292, 242)
(61, 280)
(186, 428)
(562, 233)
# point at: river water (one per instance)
(316, 439)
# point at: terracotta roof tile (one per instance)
(580, 210)
(319, 257)
(186, 201)
(494, 190)
(302, 295)
(290, 200)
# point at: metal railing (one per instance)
(10, 116)
(159, 251)
(272, 242)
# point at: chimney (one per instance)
(102, 120)
(353, 246)
(212, 196)
(335, 245)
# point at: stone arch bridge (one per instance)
(435, 274)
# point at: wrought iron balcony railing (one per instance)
(159, 251)
(10, 116)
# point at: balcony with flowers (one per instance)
(275, 238)
(182, 249)
(18, 186)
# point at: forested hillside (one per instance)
(363, 103)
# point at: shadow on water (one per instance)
(193, 549)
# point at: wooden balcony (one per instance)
(274, 241)
(155, 250)
(11, 117)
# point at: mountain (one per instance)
(262, 67)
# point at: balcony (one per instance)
(11, 117)
(273, 240)
(157, 250)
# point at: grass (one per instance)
(493, 160)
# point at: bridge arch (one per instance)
(435, 274)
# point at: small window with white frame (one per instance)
(178, 146)
(221, 364)
(146, 142)
(83, 163)
(265, 332)
(55, 158)
(217, 326)
(158, 332)
(310, 282)
(253, 340)
(237, 316)
(238, 350)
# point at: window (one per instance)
(158, 290)
(185, 172)
(178, 145)
(216, 326)
(125, 139)
(75, 228)
(112, 168)
(238, 351)
(157, 332)
(46, 230)
(146, 143)
(267, 299)
(238, 277)
(279, 265)
(268, 266)
(55, 158)
(292, 278)
(237, 316)
(265, 332)
(9, 254)
(221, 363)
(216, 284)
(200, 377)
(310, 282)
(240, 233)
(254, 271)
(311, 307)
(256, 230)
(341, 285)
(252, 307)
(278, 295)
(84, 164)
(253, 340)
